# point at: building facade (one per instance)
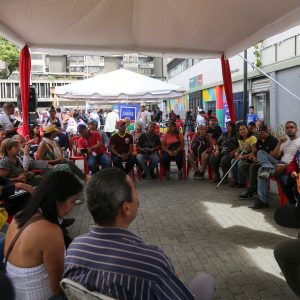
(278, 56)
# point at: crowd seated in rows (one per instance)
(200, 148)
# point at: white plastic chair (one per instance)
(76, 291)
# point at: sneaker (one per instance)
(78, 202)
(180, 175)
(265, 173)
(258, 204)
(167, 176)
(246, 196)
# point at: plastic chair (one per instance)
(76, 291)
(282, 198)
(74, 155)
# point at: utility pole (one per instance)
(245, 103)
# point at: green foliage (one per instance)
(256, 52)
(10, 55)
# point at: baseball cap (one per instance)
(121, 122)
(49, 129)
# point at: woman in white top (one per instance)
(35, 263)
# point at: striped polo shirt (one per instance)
(119, 264)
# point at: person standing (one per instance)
(110, 122)
(144, 116)
(251, 117)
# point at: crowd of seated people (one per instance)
(252, 153)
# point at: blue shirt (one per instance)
(119, 264)
(251, 118)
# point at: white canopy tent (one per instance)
(179, 28)
(119, 85)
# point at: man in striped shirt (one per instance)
(115, 262)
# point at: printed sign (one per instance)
(128, 111)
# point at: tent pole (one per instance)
(245, 103)
(268, 76)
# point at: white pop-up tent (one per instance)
(173, 28)
(120, 85)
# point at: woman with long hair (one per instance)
(224, 152)
(247, 143)
(172, 146)
(34, 245)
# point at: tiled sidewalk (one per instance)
(203, 229)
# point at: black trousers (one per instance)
(288, 259)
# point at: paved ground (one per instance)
(202, 229)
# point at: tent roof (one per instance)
(179, 28)
(119, 85)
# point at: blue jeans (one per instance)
(269, 162)
(101, 159)
(118, 162)
(237, 176)
(141, 159)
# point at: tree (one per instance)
(10, 55)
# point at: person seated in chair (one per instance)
(249, 168)
(224, 152)
(113, 261)
(91, 144)
(148, 146)
(93, 126)
(200, 148)
(289, 215)
(35, 260)
(49, 150)
(275, 165)
(121, 146)
(213, 129)
(173, 146)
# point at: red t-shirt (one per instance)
(91, 141)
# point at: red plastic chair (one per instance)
(282, 198)
(74, 156)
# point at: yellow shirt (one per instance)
(249, 141)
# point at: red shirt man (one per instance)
(90, 140)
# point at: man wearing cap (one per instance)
(121, 145)
(249, 168)
(93, 126)
(90, 142)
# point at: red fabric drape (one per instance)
(228, 87)
(25, 68)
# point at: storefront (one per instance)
(260, 91)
